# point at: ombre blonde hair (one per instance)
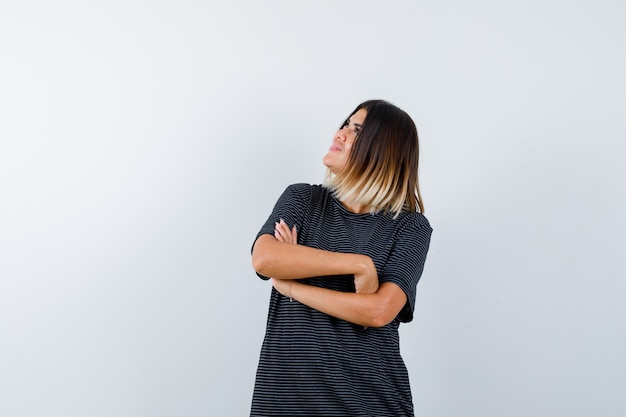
(382, 168)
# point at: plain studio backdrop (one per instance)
(144, 143)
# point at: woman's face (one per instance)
(340, 149)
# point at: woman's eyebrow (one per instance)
(356, 124)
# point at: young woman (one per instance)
(344, 260)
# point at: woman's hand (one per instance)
(283, 286)
(366, 282)
(283, 234)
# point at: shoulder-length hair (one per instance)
(382, 168)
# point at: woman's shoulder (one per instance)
(306, 189)
(414, 219)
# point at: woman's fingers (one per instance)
(294, 235)
(281, 231)
(284, 234)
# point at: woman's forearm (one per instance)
(368, 310)
(272, 258)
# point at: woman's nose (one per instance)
(342, 134)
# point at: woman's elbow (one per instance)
(262, 255)
(386, 307)
(259, 262)
(381, 317)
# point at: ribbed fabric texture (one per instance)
(312, 364)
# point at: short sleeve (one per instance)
(292, 206)
(405, 264)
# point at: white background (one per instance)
(144, 143)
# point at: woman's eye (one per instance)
(357, 130)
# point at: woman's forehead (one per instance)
(358, 117)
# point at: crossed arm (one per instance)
(285, 261)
